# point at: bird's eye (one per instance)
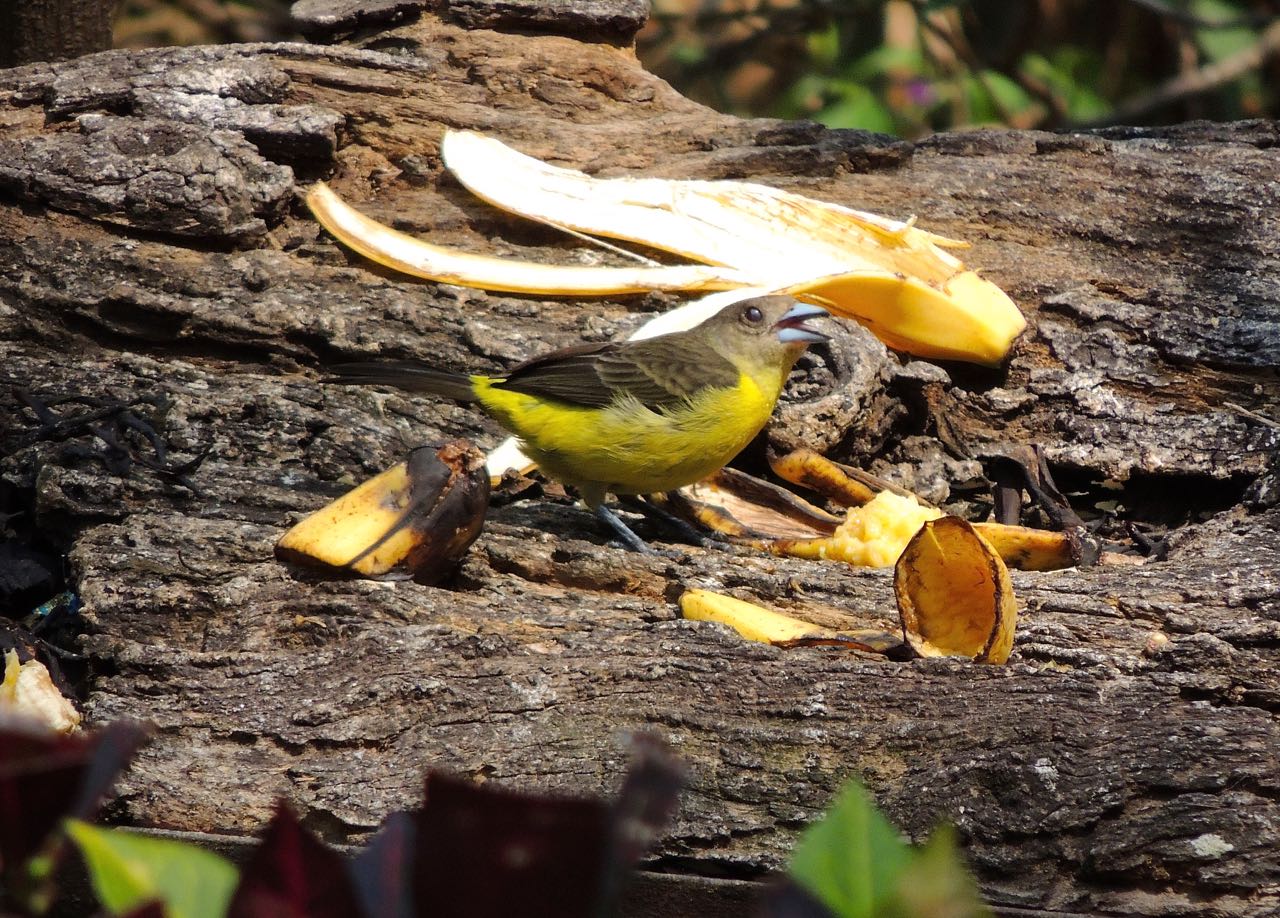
(753, 315)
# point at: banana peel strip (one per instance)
(687, 217)
(756, 623)
(753, 622)
(894, 278)
(408, 255)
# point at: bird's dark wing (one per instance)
(659, 372)
(664, 371)
(566, 376)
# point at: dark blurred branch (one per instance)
(1196, 82)
(1162, 9)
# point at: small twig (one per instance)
(1157, 549)
(1260, 418)
(1194, 83)
(592, 240)
(1044, 92)
(1162, 9)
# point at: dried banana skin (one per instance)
(415, 520)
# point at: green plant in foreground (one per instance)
(130, 870)
(856, 864)
(468, 850)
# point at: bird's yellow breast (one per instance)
(628, 448)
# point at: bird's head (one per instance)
(764, 331)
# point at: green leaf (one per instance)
(854, 106)
(824, 47)
(980, 105)
(936, 882)
(129, 870)
(1072, 74)
(885, 60)
(1218, 43)
(688, 54)
(1007, 95)
(853, 859)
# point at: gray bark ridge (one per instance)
(152, 242)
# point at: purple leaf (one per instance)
(485, 853)
(647, 800)
(46, 778)
(293, 875)
(641, 812)
(382, 870)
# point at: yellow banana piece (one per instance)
(753, 622)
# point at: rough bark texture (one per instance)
(152, 241)
(54, 30)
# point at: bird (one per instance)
(633, 417)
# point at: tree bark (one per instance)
(153, 243)
(54, 30)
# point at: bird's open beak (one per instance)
(791, 327)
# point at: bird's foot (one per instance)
(686, 530)
(627, 537)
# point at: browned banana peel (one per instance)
(762, 514)
(1019, 546)
(756, 623)
(890, 276)
(416, 519)
(748, 509)
(843, 484)
(954, 594)
(28, 691)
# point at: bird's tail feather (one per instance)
(407, 375)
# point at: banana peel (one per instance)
(954, 594)
(896, 279)
(954, 597)
(409, 255)
(880, 520)
(1030, 549)
(753, 622)
(1018, 546)
(756, 623)
(873, 535)
(28, 690)
(417, 519)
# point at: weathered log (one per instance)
(152, 242)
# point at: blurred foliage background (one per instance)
(150, 23)
(904, 67)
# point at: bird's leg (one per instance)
(622, 530)
(683, 527)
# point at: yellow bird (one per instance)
(634, 417)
